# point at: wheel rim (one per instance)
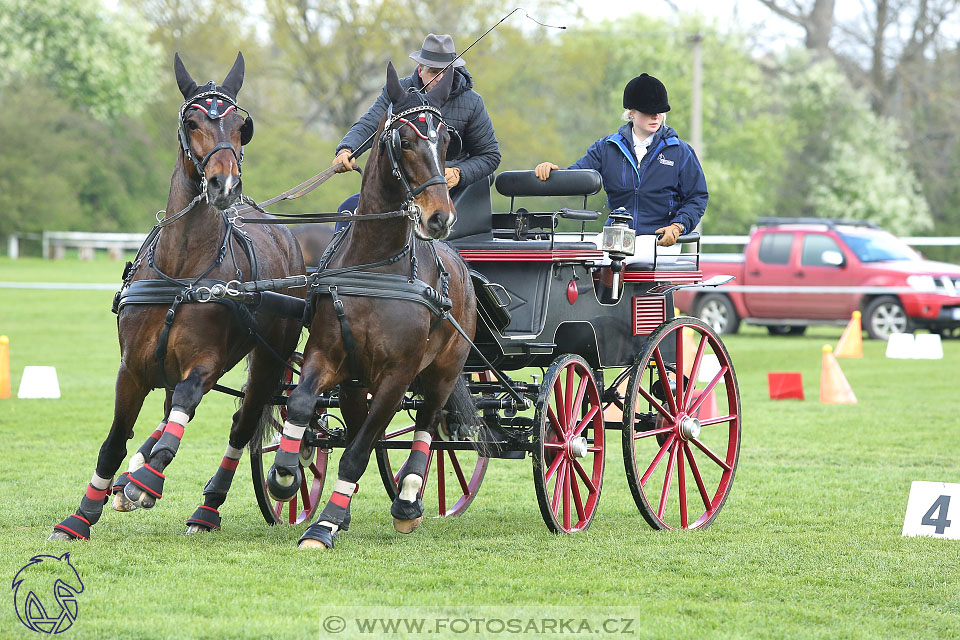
(889, 318)
(715, 315)
(313, 470)
(681, 448)
(569, 453)
(452, 478)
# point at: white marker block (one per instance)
(928, 346)
(900, 345)
(933, 509)
(709, 367)
(39, 382)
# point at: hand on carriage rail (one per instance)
(543, 170)
(669, 235)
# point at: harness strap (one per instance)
(346, 333)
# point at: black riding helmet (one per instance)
(645, 94)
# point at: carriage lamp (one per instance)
(619, 241)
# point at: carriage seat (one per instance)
(474, 210)
(669, 263)
(487, 242)
(562, 182)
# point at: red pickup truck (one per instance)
(798, 272)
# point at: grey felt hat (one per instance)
(437, 52)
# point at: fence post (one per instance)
(13, 246)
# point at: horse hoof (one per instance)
(196, 528)
(312, 544)
(122, 503)
(283, 486)
(407, 526)
(138, 497)
(58, 536)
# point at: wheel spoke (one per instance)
(426, 475)
(678, 344)
(441, 485)
(305, 494)
(652, 432)
(587, 419)
(664, 381)
(557, 490)
(560, 412)
(720, 461)
(278, 508)
(682, 485)
(313, 469)
(555, 423)
(292, 512)
(667, 478)
(578, 501)
(583, 476)
(270, 448)
(698, 478)
(695, 370)
(709, 421)
(578, 399)
(566, 497)
(653, 465)
(459, 471)
(553, 467)
(399, 432)
(653, 403)
(709, 388)
(568, 396)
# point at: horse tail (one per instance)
(270, 420)
(461, 409)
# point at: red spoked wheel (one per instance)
(313, 469)
(568, 455)
(681, 434)
(453, 477)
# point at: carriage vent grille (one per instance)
(649, 312)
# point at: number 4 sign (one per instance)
(929, 510)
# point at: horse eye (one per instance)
(193, 126)
(405, 144)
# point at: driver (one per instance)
(646, 167)
(464, 111)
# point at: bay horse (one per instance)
(370, 323)
(168, 338)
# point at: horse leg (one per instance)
(129, 399)
(264, 375)
(284, 477)
(336, 514)
(146, 483)
(120, 501)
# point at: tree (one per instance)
(94, 58)
(814, 16)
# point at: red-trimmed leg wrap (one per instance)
(169, 441)
(318, 532)
(215, 491)
(144, 451)
(91, 505)
(121, 482)
(337, 510)
(75, 526)
(205, 516)
(149, 480)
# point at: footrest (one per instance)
(148, 479)
(205, 517)
(75, 526)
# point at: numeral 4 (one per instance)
(941, 505)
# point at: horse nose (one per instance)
(223, 190)
(439, 224)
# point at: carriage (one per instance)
(511, 338)
(601, 354)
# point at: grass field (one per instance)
(807, 546)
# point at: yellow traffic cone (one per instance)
(4, 367)
(851, 342)
(834, 388)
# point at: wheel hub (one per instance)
(689, 428)
(577, 447)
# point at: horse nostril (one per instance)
(215, 183)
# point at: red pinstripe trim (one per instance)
(289, 445)
(69, 530)
(229, 464)
(146, 466)
(483, 255)
(420, 445)
(77, 515)
(340, 500)
(175, 429)
(663, 275)
(96, 494)
(145, 487)
(156, 434)
(210, 508)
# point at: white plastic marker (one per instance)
(933, 509)
(39, 382)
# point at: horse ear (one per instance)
(234, 79)
(186, 84)
(394, 90)
(441, 90)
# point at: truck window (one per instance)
(775, 248)
(814, 244)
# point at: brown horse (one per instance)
(381, 342)
(168, 338)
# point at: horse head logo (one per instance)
(45, 593)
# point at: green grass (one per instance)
(808, 544)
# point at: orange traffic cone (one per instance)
(4, 367)
(834, 388)
(707, 408)
(689, 351)
(851, 342)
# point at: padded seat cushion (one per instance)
(486, 242)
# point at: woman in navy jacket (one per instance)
(646, 167)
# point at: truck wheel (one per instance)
(717, 311)
(786, 330)
(885, 316)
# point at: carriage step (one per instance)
(510, 454)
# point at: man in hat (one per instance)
(464, 111)
(646, 168)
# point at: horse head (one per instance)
(41, 584)
(413, 146)
(212, 129)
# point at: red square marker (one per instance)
(784, 386)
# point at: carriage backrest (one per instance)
(562, 182)
(474, 210)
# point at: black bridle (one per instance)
(215, 104)
(390, 144)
